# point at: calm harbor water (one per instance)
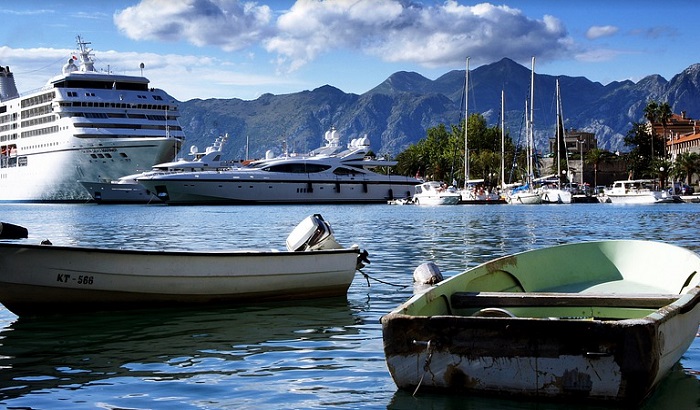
(322, 354)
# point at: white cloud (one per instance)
(392, 30)
(215, 78)
(399, 31)
(228, 24)
(598, 55)
(596, 32)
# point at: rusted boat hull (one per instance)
(611, 336)
(559, 359)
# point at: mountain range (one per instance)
(397, 112)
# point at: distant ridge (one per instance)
(398, 111)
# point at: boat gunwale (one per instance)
(182, 252)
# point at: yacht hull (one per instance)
(232, 190)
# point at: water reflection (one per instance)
(678, 390)
(311, 356)
(182, 347)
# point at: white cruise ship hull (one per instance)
(84, 124)
(54, 175)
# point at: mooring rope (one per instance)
(367, 277)
(426, 366)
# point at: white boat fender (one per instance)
(427, 273)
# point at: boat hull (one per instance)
(114, 193)
(53, 176)
(206, 188)
(536, 358)
(524, 198)
(37, 279)
(556, 196)
(653, 197)
(608, 330)
(436, 200)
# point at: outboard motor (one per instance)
(313, 233)
(427, 273)
(12, 231)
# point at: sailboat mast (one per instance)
(466, 126)
(531, 137)
(558, 134)
(503, 140)
(528, 162)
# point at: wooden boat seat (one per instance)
(466, 300)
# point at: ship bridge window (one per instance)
(297, 168)
(158, 98)
(102, 85)
(95, 115)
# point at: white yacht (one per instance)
(639, 191)
(83, 124)
(126, 190)
(329, 174)
(436, 193)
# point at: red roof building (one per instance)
(682, 134)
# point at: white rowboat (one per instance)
(36, 279)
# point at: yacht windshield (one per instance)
(297, 168)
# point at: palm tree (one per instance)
(657, 113)
(663, 115)
(651, 113)
(594, 157)
(687, 164)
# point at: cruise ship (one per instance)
(84, 124)
(331, 174)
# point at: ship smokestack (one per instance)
(8, 89)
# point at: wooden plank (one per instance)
(461, 300)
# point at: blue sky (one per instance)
(239, 49)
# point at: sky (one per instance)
(244, 49)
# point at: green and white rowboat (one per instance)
(589, 321)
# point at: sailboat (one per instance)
(474, 190)
(557, 195)
(525, 194)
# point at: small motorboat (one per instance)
(435, 193)
(45, 279)
(598, 321)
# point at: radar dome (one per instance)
(363, 142)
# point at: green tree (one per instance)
(661, 168)
(687, 164)
(638, 158)
(655, 113)
(595, 157)
(440, 155)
